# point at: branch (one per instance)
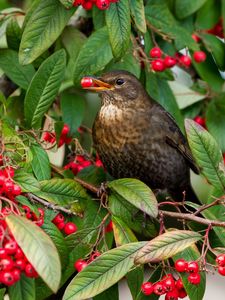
(192, 217)
(86, 185)
(52, 206)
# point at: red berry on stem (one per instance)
(70, 228)
(155, 52)
(199, 56)
(182, 293)
(221, 270)
(58, 219)
(16, 274)
(193, 267)
(30, 271)
(200, 121)
(6, 264)
(3, 253)
(194, 278)
(179, 284)
(16, 190)
(220, 260)
(20, 264)
(80, 264)
(109, 227)
(95, 255)
(169, 61)
(169, 284)
(87, 5)
(158, 288)
(11, 247)
(158, 65)
(147, 288)
(185, 61)
(181, 265)
(65, 130)
(103, 4)
(60, 225)
(7, 278)
(172, 295)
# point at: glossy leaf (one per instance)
(111, 293)
(136, 193)
(40, 163)
(166, 245)
(119, 28)
(38, 248)
(43, 88)
(24, 289)
(26, 181)
(103, 272)
(73, 107)
(10, 65)
(138, 14)
(195, 292)
(13, 34)
(90, 61)
(208, 15)
(184, 8)
(45, 24)
(206, 153)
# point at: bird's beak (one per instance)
(99, 86)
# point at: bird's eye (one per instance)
(120, 81)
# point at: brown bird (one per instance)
(136, 137)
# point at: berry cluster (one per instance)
(50, 137)
(168, 286)
(220, 261)
(80, 163)
(8, 188)
(67, 227)
(159, 64)
(192, 268)
(13, 261)
(88, 4)
(80, 264)
(38, 220)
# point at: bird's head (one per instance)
(117, 87)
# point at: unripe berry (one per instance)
(199, 56)
(155, 52)
(147, 288)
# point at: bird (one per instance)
(135, 137)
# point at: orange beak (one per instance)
(99, 86)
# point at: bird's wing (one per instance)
(176, 139)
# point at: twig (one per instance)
(206, 206)
(52, 206)
(192, 217)
(86, 185)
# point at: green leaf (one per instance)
(24, 289)
(137, 193)
(206, 153)
(110, 294)
(215, 120)
(73, 107)
(9, 63)
(119, 28)
(26, 181)
(13, 34)
(61, 191)
(38, 248)
(185, 8)
(208, 15)
(2, 293)
(46, 23)
(195, 292)
(166, 245)
(67, 3)
(90, 61)
(98, 17)
(40, 163)
(103, 272)
(216, 47)
(138, 14)
(223, 13)
(43, 88)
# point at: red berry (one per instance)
(20, 264)
(169, 62)
(9, 172)
(19, 253)
(103, 4)
(169, 284)
(16, 190)
(60, 225)
(179, 284)
(6, 264)
(30, 271)
(41, 212)
(2, 179)
(65, 130)
(199, 56)
(16, 274)
(58, 219)
(220, 260)
(70, 228)
(98, 163)
(87, 5)
(86, 82)
(195, 38)
(7, 278)
(95, 255)
(147, 288)
(155, 52)
(80, 264)
(109, 227)
(182, 293)
(78, 2)
(11, 247)
(172, 295)
(200, 121)
(193, 267)
(40, 222)
(221, 270)
(194, 278)
(158, 65)
(47, 137)
(181, 265)
(8, 186)
(158, 288)
(3, 253)
(185, 61)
